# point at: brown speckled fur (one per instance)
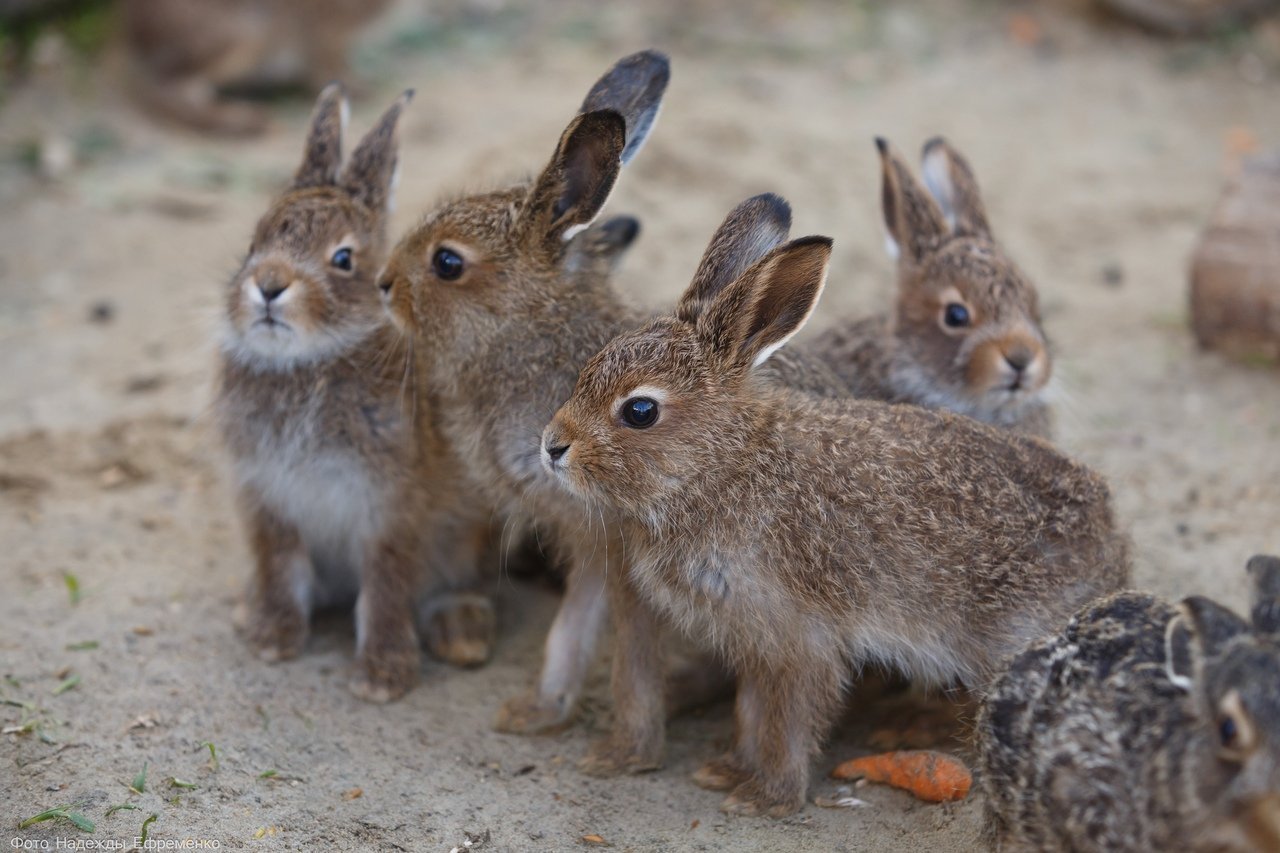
(805, 538)
(344, 487)
(946, 254)
(1108, 736)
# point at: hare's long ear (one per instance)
(633, 88)
(323, 155)
(767, 304)
(750, 231)
(1209, 626)
(571, 191)
(950, 179)
(1264, 571)
(915, 224)
(371, 174)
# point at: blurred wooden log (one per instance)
(1190, 17)
(1235, 271)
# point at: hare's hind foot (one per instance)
(721, 774)
(609, 757)
(754, 799)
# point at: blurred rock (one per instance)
(1235, 271)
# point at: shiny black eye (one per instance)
(447, 264)
(1228, 732)
(640, 412)
(955, 315)
(342, 259)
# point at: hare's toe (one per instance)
(607, 757)
(462, 633)
(752, 799)
(274, 636)
(720, 774)
(529, 714)
(384, 678)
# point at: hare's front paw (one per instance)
(275, 635)
(462, 633)
(609, 757)
(721, 774)
(753, 799)
(529, 714)
(386, 676)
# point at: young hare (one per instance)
(1142, 726)
(505, 300)
(338, 481)
(964, 333)
(806, 538)
(183, 53)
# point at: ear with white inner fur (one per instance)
(572, 190)
(751, 230)
(1199, 632)
(950, 179)
(322, 157)
(1179, 658)
(760, 311)
(371, 174)
(633, 88)
(914, 224)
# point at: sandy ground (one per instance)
(1101, 153)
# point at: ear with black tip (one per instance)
(951, 182)
(322, 157)
(915, 224)
(633, 88)
(1264, 571)
(750, 231)
(1212, 624)
(371, 174)
(574, 187)
(765, 306)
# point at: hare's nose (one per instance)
(386, 284)
(1019, 358)
(270, 290)
(556, 451)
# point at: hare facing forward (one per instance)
(964, 333)
(1142, 726)
(806, 538)
(339, 481)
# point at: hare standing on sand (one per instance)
(345, 491)
(182, 54)
(964, 333)
(493, 291)
(806, 538)
(1142, 726)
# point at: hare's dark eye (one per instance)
(342, 259)
(447, 264)
(955, 315)
(1228, 732)
(640, 412)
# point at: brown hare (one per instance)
(183, 53)
(1142, 726)
(806, 538)
(339, 481)
(964, 333)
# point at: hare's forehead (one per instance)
(983, 275)
(307, 217)
(482, 215)
(660, 356)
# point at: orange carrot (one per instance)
(934, 777)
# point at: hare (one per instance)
(964, 333)
(1142, 726)
(505, 300)
(183, 53)
(339, 481)
(804, 538)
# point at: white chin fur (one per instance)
(281, 347)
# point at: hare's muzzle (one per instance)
(555, 447)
